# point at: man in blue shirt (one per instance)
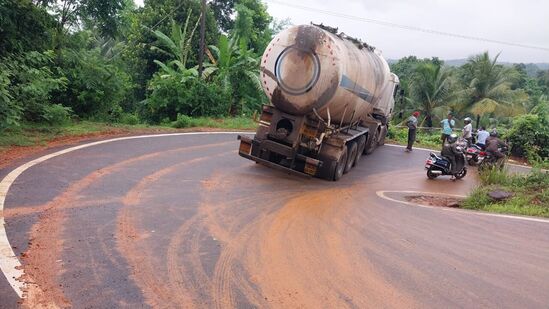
(447, 127)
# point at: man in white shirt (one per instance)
(482, 135)
(468, 131)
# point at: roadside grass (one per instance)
(232, 123)
(41, 134)
(530, 193)
(424, 139)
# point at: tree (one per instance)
(24, 27)
(72, 14)
(487, 88)
(253, 23)
(431, 89)
(405, 69)
(223, 11)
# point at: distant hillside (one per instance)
(531, 68)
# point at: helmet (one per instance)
(468, 120)
(494, 133)
(452, 138)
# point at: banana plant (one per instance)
(177, 45)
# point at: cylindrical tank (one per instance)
(306, 67)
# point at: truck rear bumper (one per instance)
(251, 149)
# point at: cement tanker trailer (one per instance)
(331, 100)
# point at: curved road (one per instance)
(183, 221)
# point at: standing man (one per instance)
(412, 128)
(447, 127)
(468, 131)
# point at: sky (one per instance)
(523, 22)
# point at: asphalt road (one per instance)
(183, 221)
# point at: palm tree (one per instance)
(488, 88)
(431, 89)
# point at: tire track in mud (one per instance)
(302, 260)
(41, 269)
(234, 234)
(218, 290)
(154, 287)
(255, 255)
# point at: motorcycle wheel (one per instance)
(472, 162)
(484, 165)
(430, 173)
(461, 174)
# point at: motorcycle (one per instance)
(474, 154)
(489, 161)
(440, 166)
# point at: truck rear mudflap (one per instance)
(259, 151)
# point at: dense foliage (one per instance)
(113, 61)
(529, 135)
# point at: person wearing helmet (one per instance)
(493, 144)
(447, 127)
(412, 128)
(450, 151)
(468, 131)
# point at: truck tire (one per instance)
(340, 166)
(384, 131)
(372, 145)
(352, 153)
(361, 143)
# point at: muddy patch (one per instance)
(437, 201)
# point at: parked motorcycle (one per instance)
(474, 154)
(490, 161)
(440, 166)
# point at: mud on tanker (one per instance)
(331, 99)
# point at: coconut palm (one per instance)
(488, 88)
(431, 90)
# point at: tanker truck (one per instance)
(331, 99)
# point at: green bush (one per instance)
(95, 87)
(194, 97)
(56, 114)
(529, 136)
(131, 119)
(182, 121)
(27, 87)
(10, 112)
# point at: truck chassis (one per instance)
(310, 146)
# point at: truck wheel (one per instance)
(352, 153)
(361, 142)
(383, 135)
(340, 166)
(373, 143)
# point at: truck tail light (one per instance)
(245, 146)
(311, 166)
